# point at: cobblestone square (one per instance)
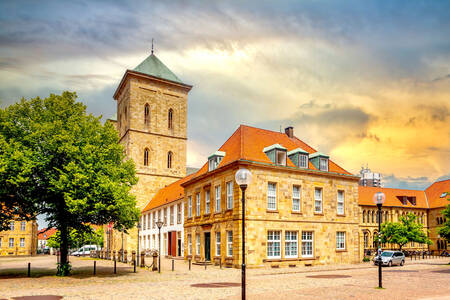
(421, 279)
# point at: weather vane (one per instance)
(152, 45)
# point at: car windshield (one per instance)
(386, 254)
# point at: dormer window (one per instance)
(299, 157)
(277, 154)
(215, 159)
(443, 194)
(320, 161)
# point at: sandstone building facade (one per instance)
(20, 239)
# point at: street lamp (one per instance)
(378, 199)
(159, 223)
(137, 258)
(243, 178)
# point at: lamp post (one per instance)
(122, 246)
(137, 258)
(159, 223)
(243, 178)
(378, 199)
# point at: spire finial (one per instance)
(152, 45)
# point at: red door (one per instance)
(173, 243)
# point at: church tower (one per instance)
(152, 125)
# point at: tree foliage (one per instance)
(403, 232)
(58, 161)
(444, 230)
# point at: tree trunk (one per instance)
(64, 267)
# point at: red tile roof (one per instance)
(435, 191)
(247, 143)
(44, 234)
(392, 197)
(168, 194)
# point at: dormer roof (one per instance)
(272, 147)
(297, 150)
(217, 153)
(318, 154)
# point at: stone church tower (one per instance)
(152, 125)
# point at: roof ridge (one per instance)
(376, 187)
(435, 183)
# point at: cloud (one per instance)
(415, 183)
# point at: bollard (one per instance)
(220, 263)
(189, 264)
(95, 267)
(423, 255)
(125, 256)
(133, 256)
(134, 265)
(173, 266)
(142, 264)
(415, 256)
(29, 269)
(205, 265)
(115, 270)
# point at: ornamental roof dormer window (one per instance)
(320, 161)
(277, 154)
(299, 157)
(215, 159)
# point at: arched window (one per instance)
(364, 216)
(170, 118)
(169, 160)
(373, 214)
(377, 217)
(375, 239)
(146, 114)
(146, 157)
(385, 216)
(366, 240)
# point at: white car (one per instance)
(389, 258)
(85, 250)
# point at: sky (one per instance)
(366, 82)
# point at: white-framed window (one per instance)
(190, 207)
(172, 215)
(273, 244)
(303, 161)
(291, 244)
(229, 243)
(11, 226)
(189, 244)
(159, 215)
(323, 164)
(218, 198)
(230, 195)
(280, 156)
(179, 207)
(272, 196)
(11, 242)
(307, 244)
(22, 225)
(144, 222)
(197, 241)
(154, 219)
(198, 205)
(318, 200)
(340, 202)
(217, 243)
(165, 216)
(207, 202)
(340, 240)
(22, 242)
(296, 198)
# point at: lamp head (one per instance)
(159, 224)
(378, 198)
(243, 177)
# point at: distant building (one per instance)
(369, 178)
(20, 239)
(43, 235)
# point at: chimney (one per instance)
(289, 131)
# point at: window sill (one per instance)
(206, 215)
(229, 209)
(340, 215)
(296, 213)
(272, 211)
(318, 213)
(341, 250)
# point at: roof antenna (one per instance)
(152, 46)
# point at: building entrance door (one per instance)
(172, 243)
(207, 246)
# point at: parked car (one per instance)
(389, 258)
(85, 250)
(46, 250)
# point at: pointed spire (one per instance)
(152, 46)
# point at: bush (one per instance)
(366, 259)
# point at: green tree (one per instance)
(58, 161)
(444, 230)
(403, 232)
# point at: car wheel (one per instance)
(390, 264)
(402, 263)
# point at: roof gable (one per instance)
(434, 193)
(394, 197)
